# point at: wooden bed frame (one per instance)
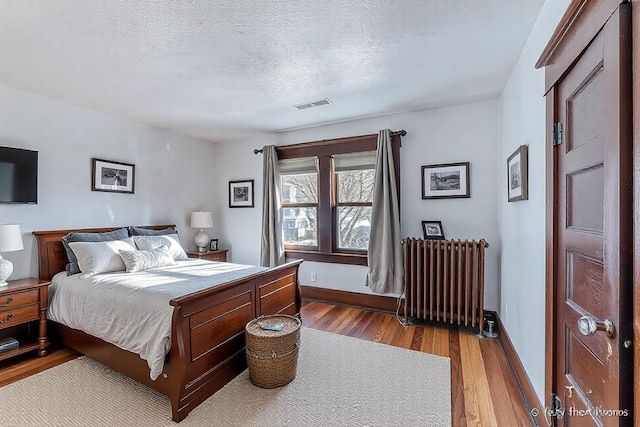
(207, 332)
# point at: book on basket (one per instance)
(8, 343)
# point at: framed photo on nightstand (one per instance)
(213, 245)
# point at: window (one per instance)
(354, 179)
(299, 187)
(327, 196)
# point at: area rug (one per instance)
(341, 381)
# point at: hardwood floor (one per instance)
(17, 368)
(483, 389)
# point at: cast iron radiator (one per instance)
(444, 281)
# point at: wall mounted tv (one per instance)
(18, 175)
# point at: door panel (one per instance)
(585, 198)
(585, 111)
(592, 252)
(585, 278)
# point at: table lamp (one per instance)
(201, 220)
(10, 240)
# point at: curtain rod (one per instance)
(401, 132)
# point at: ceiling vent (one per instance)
(308, 105)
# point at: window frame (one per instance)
(327, 250)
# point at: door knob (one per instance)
(588, 325)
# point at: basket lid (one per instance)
(273, 325)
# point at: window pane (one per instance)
(354, 223)
(300, 226)
(355, 186)
(301, 188)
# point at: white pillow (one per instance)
(172, 241)
(144, 259)
(101, 257)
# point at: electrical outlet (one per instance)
(314, 277)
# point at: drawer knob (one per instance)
(8, 302)
(9, 316)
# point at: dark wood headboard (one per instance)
(52, 258)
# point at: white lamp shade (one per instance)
(201, 220)
(10, 238)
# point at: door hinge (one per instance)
(555, 411)
(558, 133)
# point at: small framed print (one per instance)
(213, 245)
(241, 194)
(445, 181)
(517, 186)
(115, 177)
(432, 230)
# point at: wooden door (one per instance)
(592, 359)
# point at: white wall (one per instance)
(173, 173)
(454, 134)
(522, 224)
(239, 229)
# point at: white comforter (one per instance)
(131, 310)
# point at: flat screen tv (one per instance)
(18, 175)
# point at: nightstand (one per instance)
(23, 306)
(219, 255)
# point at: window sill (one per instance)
(353, 259)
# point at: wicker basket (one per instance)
(272, 355)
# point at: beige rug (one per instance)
(341, 381)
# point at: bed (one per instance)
(207, 327)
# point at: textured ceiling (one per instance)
(221, 69)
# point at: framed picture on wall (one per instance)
(432, 230)
(517, 185)
(115, 177)
(241, 194)
(445, 181)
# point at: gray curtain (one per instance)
(272, 245)
(386, 269)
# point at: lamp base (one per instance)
(6, 268)
(202, 241)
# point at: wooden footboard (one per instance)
(207, 337)
(208, 328)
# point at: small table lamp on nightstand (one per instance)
(10, 240)
(201, 220)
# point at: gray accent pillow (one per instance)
(139, 231)
(72, 267)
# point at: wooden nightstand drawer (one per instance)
(18, 315)
(17, 299)
(219, 255)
